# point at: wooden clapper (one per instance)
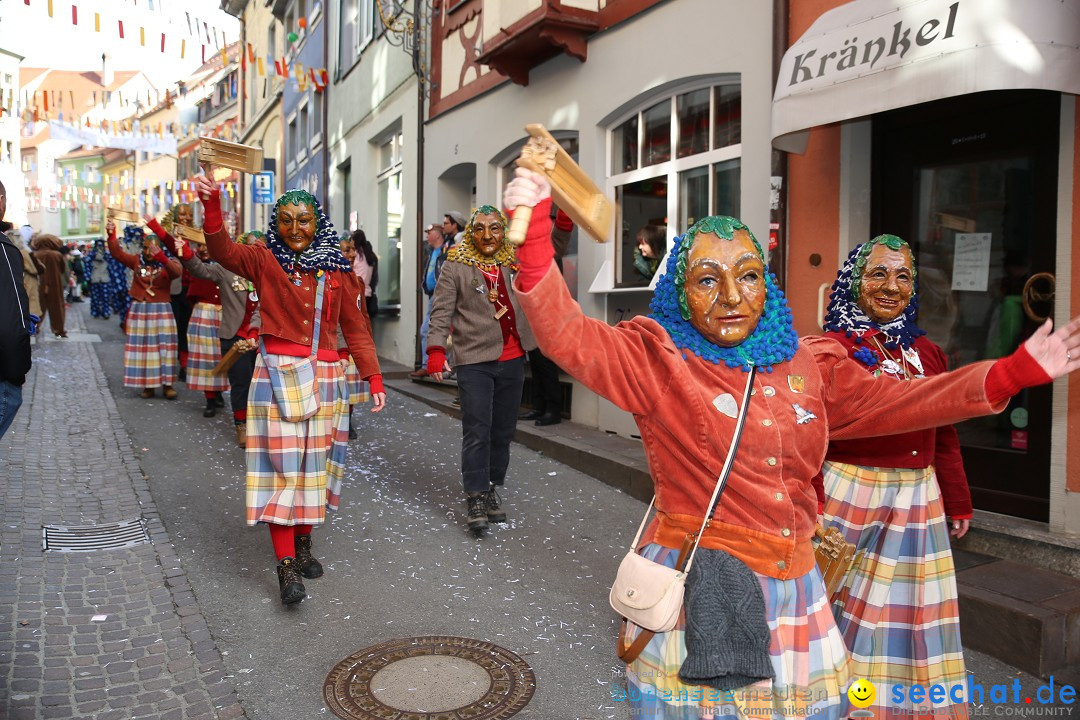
(189, 233)
(571, 188)
(245, 158)
(120, 214)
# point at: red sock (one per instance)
(183, 358)
(210, 394)
(282, 537)
(239, 416)
(303, 529)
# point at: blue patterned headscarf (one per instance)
(774, 339)
(844, 314)
(324, 252)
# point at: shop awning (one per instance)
(869, 56)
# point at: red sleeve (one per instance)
(563, 221)
(245, 260)
(1013, 373)
(172, 265)
(212, 214)
(818, 482)
(949, 468)
(375, 384)
(537, 253)
(129, 260)
(162, 234)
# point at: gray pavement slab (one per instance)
(106, 634)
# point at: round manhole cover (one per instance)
(434, 677)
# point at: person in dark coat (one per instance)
(48, 251)
(15, 324)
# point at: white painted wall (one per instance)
(368, 101)
(660, 47)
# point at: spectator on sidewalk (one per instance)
(48, 252)
(365, 264)
(150, 350)
(491, 337)
(16, 324)
(453, 226)
(292, 478)
(32, 271)
(435, 256)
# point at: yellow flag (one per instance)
(224, 57)
(97, 22)
(262, 68)
(183, 46)
(50, 8)
(142, 36)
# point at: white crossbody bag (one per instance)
(649, 594)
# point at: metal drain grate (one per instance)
(87, 538)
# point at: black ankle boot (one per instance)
(308, 565)
(291, 586)
(211, 408)
(477, 513)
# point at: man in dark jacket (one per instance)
(15, 327)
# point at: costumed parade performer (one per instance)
(48, 253)
(298, 401)
(182, 214)
(150, 349)
(108, 282)
(898, 608)
(491, 337)
(204, 297)
(756, 622)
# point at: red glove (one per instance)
(375, 384)
(1013, 373)
(436, 360)
(537, 253)
(212, 213)
(161, 257)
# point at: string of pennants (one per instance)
(204, 33)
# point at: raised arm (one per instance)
(245, 261)
(129, 260)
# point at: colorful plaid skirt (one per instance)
(807, 651)
(898, 609)
(291, 478)
(359, 389)
(204, 349)
(150, 349)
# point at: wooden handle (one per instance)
(519, 226)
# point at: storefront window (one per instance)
(656, 145)
(727, 115)
(624, 143)
(641, 204)
(655, 189)
(692, 109)
(391, 211)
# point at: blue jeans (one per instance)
(490, 399)
(10, 402)
(423, 333)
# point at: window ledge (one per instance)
(604, 282)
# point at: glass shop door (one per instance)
(971, 183)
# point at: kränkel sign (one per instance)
(869, 56)
(828, 62)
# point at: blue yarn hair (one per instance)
(773, 341)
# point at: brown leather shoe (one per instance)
(147, 393)
(241, 435)
(168, 392)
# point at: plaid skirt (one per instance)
(150, 348)
(898, 609)
(204, 349)
(807, 652)
(291, 479)
(359, 390)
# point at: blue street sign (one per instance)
(262, 188)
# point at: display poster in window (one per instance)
(971, 262)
